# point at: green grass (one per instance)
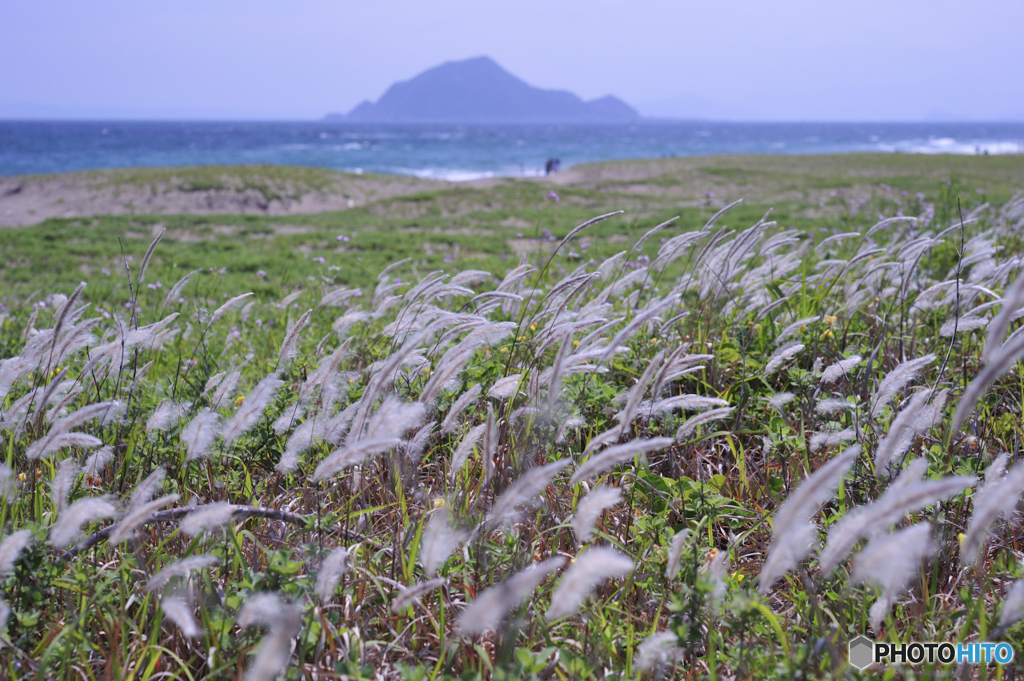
(89, 616)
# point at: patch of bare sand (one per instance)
(28, 200)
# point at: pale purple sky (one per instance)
(299, 59)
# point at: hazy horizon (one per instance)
(902, 61)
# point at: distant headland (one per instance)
(480, 91)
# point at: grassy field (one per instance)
(450, 436)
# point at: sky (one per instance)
(788, 60)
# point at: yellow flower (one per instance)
(960, 536)
(21, 478)
(239, 400)
(533, 327)
(830, 320)
(504, 349)
(439, 502)
(739, 576)
(575, 343)
(827, 334)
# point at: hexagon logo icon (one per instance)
(861, 652)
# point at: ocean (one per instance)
(461, 152)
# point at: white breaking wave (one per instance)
(949, 145)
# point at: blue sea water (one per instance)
(461, 152)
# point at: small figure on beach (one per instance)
(552, 165)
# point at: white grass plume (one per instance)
(901, 432)
(289, 345)
(591, 567)
(180, 568)
(418, 442)
(338, 296)
(206, 517)
(11, 549)
(691, 423)
(523, 490)
(996, 500)
(342, 458)
(779, 400)
(896, 380)
(675, 553)
(1002, 361)
(200, 433)
(332, 569)
(56, 437)
(638, 322)
(608, 437)
(438, 542)
(994, 474)
(907, 494)
(407, 595)
(792, 531)
(1013, 605)
(962, 325)
(228, 306)
(252, 408)
(145, 490)
(781, 356)
(175, 291)
(635, 395)
(834, 405)
(656, 651)
(67, 473)
(831, 438)
(1013, 299)
(137, 517)
(465, 448)
(505, 388)
(590, 509)
(717, 572)
(465, 400)
(304, 437)
(613, 456)
(224, 388)
(284, 621)
(179, 611)
(890, 562)
(97, 461)
(68, 527)
(165, 416)
(445, 375)
(491, 605)
(566, 425)
(793, 328)
(685, 403)
(62, 440)
(395, 417)
(579, 228)
(489, 450)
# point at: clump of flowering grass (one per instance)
(588, 473)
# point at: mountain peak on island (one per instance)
(479, 90)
